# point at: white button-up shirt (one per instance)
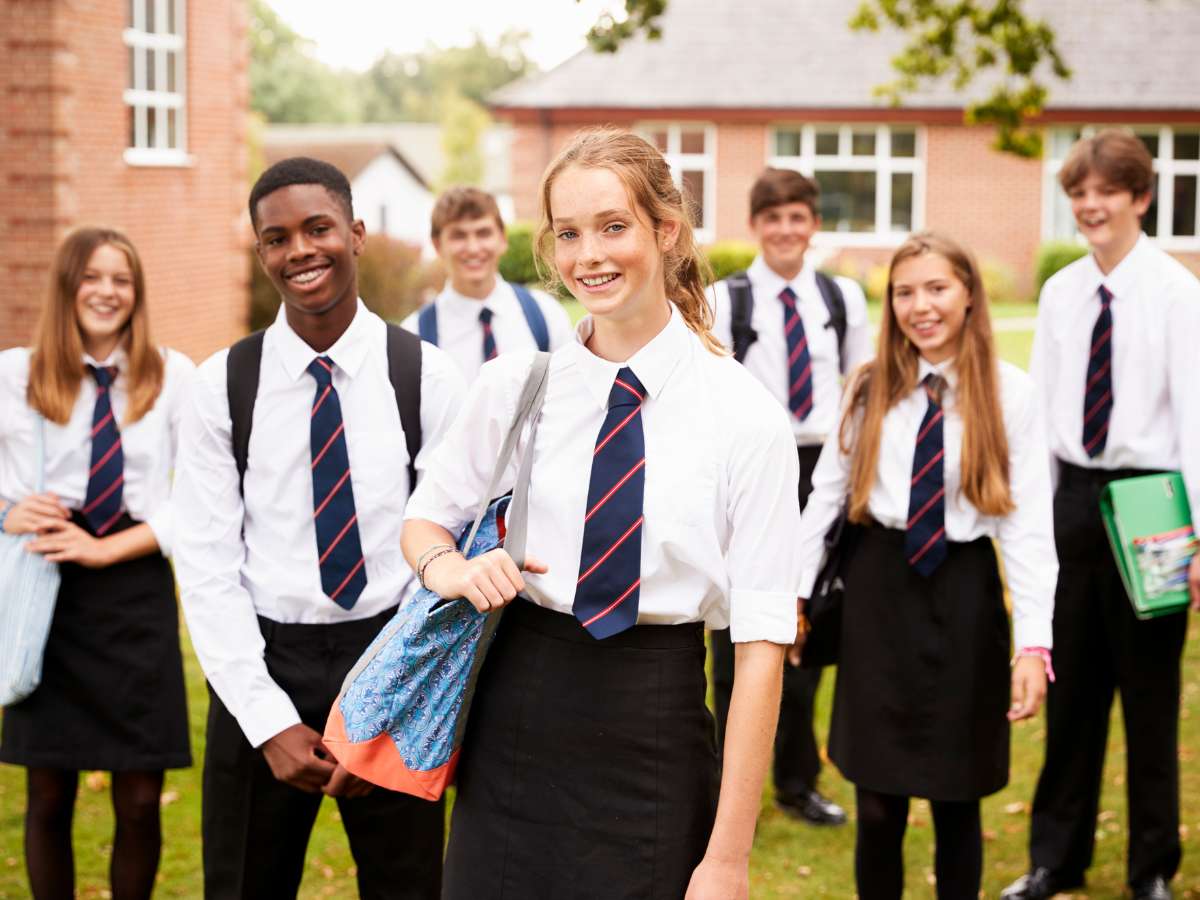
(718, 542)
(767, 359)
(1025, 536)
(237, 559)
(1155, 418)
(461, 335)
(148, 445)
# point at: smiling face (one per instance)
(605, 248)
(1108, 216)
(104, 300)
(783, 233)
(307, 246)
(930, 303)
(471, 249)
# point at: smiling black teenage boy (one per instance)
(291, 563)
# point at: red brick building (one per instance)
(736, 85)
(130, 113)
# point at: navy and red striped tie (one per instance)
(339, 550)
(1098, 395)
(489, 339)
(800, 388)
(106, 474)
(925, 536)
(610, 564)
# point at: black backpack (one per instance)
(741, 297)
(404, 372)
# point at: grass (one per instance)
(789, 860)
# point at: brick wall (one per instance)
(990, 201)
(62, 164)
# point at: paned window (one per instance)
(691, 151)
(156, 95)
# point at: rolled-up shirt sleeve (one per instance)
(176, 395)
(764, 516)
(456, 477)
(209, 553)
(1026, 535)
(830, 483)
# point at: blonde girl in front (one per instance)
(662, 499)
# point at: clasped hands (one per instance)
(58, 538)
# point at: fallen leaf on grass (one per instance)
(96, 781)
(168, 797)
(804, 871)
(1016, 808)
(989, 835)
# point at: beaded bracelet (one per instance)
(421, 571)
(421, 559)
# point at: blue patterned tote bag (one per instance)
(402, 711)
(30, 588)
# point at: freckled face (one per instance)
(930, 304)
(605, 247)
(105, 297)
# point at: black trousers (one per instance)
(256, 828)
(1099, 647)
(797, 759)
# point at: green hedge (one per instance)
(1055, 255)
(727, 257)
(517, 262)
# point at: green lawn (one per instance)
(790, 860)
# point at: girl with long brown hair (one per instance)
(94, 407)
(662, 499)
(941, 450)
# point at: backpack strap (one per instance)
(533, 316)
(404, 372)
(741, 298)
(427, 324)
(241, 387)
(835, 304)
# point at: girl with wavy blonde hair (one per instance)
(662, 500)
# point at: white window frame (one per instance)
(1164, 165)
(882, 163)
(705, 162)
(141, 100)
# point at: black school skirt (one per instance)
(111, 695)
(923, 683)
(589, 768)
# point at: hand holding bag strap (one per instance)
(528, 406)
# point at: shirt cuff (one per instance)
(1033, 632)
(261, 720)
(808, 579)
(162, 524)
(762, 616)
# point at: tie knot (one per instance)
(626, 389)
(321, 369)
(485, 316)
(1105, 296)
(788, 296)
(935, 386)
(104, 375)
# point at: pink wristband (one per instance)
(1043, 654)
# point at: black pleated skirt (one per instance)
(923, 683)
(112, 694)
(589, 768)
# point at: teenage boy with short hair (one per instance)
(479, 315)
(289, 572)
(799, 332)
(1114, 359)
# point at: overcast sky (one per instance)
(353, 33)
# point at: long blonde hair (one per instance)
(56, 366)
(647, 177)
(892, 375)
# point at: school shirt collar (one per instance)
(945, 369)
(652, 364)
(499, 301)
(1121, 280)
(773, 283)
(118, 358)
(347, 353)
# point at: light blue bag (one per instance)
(30, 587)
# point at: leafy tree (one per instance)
(288, 83)
(463, 123)
(959, 39)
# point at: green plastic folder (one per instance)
(1149, 525)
